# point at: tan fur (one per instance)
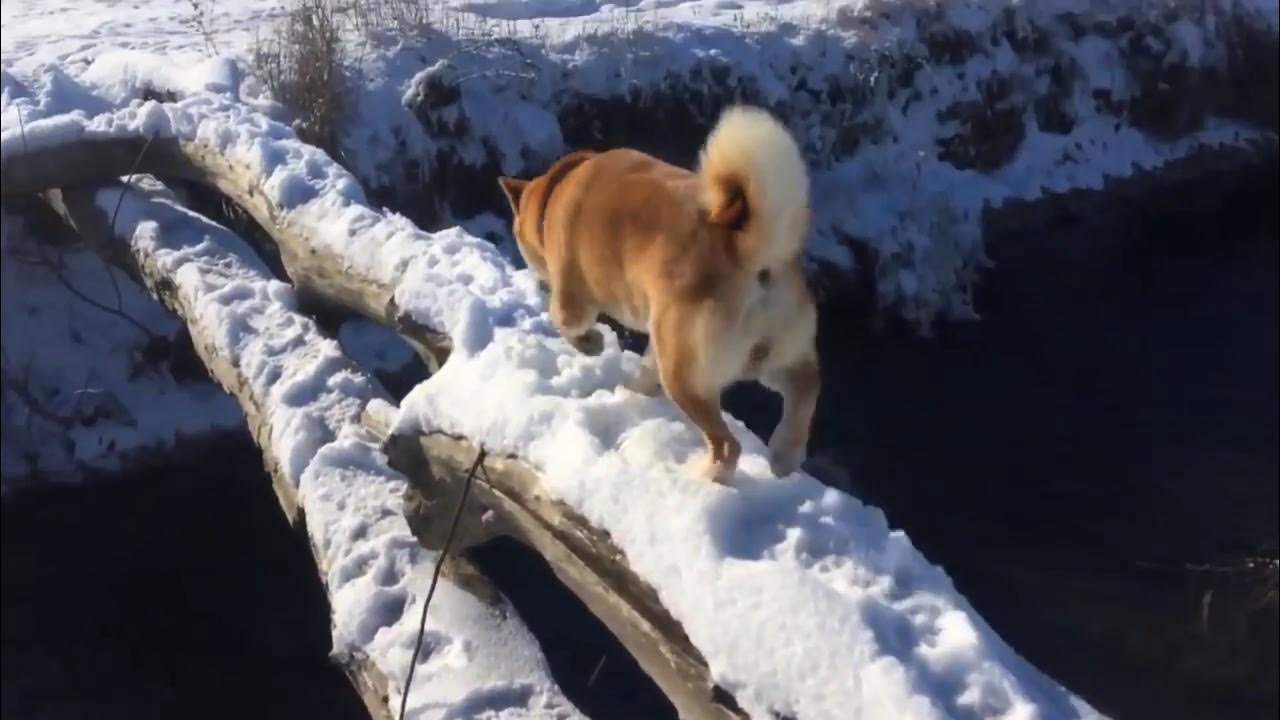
(708, 264)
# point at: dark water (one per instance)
(178, 593)
(1113, 419)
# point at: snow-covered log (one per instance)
(78, 208)
(582, 556)
(436, 464)
(303, 400)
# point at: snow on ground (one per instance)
(844, 616)
(475, 659)
(374, 347)
(896, 194)
(104, 393)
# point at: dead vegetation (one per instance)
(404, 16)
(302, 63)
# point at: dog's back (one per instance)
(628, 230)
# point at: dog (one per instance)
(707, 263)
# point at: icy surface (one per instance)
(476, 660)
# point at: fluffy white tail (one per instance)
(754, 181)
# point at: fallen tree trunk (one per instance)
(583, 557)
(78, 207)
(315, 273)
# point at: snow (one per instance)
(88, 365)
(475, 658)
(801, 598)
(919, 212)
(374, 347)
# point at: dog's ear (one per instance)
(513, 188)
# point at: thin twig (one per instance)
(495, 73)
(115, 284)
(478, 465)
(129, 179)
(1243, 566)
(198, 14)
(22, 127)
(594, 673)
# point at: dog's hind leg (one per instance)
(703, 409)
(575, 318)
(799, 384)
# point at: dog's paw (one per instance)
(590, 342)
(785, 459)
(719, 472)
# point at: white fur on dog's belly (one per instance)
(771, 316)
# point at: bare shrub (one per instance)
(301, 63)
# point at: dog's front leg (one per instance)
(799, 384)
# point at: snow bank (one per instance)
(916, 115)
(475, 658)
